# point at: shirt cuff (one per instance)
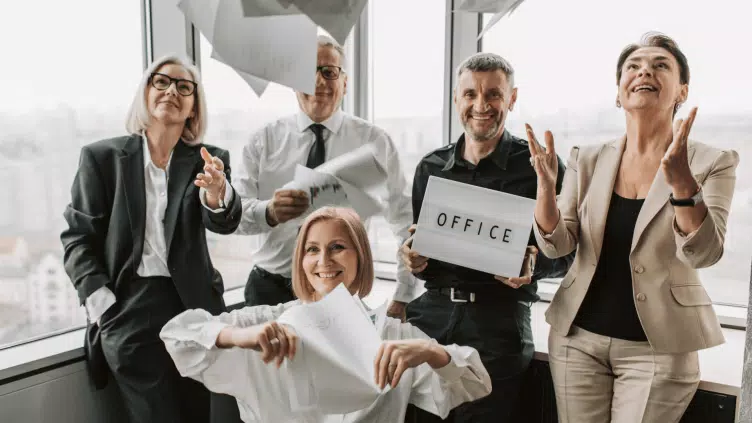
(98, 303)
(453, 371)
(404, 292)
(207, 338)
(259, 214)
(229, 194)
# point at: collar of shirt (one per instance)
(333, 124)
(500, 155)
(147, 155)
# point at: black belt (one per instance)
(466, 296)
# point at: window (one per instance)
(69, 79)
(407, 71)
(565, 56)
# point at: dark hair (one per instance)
(656, 39)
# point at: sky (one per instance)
(563, 51)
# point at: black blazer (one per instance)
(106, 221)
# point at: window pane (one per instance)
(55, 99)
(567, 83)
(407, 71)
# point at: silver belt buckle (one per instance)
(457, 300)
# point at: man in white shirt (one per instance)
(320, 131)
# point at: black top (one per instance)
(107, 216)
(506, 169)
(608, 308)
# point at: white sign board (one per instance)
(474, 227)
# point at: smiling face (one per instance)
(328, 92)
(330, 257)
(482, 100)
(650, 80)
(169, 106)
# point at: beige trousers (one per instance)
(600, 380)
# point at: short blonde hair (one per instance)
(138, 118)
(359, 237)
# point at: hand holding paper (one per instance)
(413, 261)
(528, 268)
(273, 340)
(287, 204)
(394, 357)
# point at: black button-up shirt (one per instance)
(506, 169)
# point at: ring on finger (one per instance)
(532, 161)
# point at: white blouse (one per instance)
(260, 389)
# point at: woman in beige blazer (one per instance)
(644, 212)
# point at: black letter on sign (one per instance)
(467, 223)
(490, 233)
(438, 220)
(480, 227)
(507, 232)
(454, 220)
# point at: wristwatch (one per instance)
(686, 202)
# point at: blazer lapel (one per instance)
(132, 163)
(181, 175)
(656, 200)
(601, 189)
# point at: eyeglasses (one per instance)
(162, 82)
(329, 72)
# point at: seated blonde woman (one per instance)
(225, 352)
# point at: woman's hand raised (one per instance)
(544, 161)
(273, 340)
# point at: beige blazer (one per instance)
(673, 306)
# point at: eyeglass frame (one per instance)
(339, 71)
(173, 81)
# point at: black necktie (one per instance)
(317, 155)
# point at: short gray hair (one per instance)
(139, 118)
(327, 41)
(487, 62)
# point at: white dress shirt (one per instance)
(269, 161)
(154, 257)
(261, 393)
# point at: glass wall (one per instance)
(66, 83)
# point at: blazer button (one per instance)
(641, 297)
(639, 269)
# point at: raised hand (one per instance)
(287, 204)
(544, 161)
(413, 261)
(213, 178)
(675, 163)
(394, 357)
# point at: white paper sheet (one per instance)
(474, 227)
(338, 346)
(258, 85)
(508, 7)
(337, 17)
(358, 168)
(279, 49)
(327, 190)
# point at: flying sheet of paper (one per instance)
(326, 190)
(202, 14)
(485, 6)
(509, 7)
(338, 346)
(358, 168)
(337, 17)
(279, 49)
(258, 85)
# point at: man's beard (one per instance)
(486, 135)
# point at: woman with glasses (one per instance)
(135, 246)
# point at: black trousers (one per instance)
(501, 333)
(151, 387)
(266, 288)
